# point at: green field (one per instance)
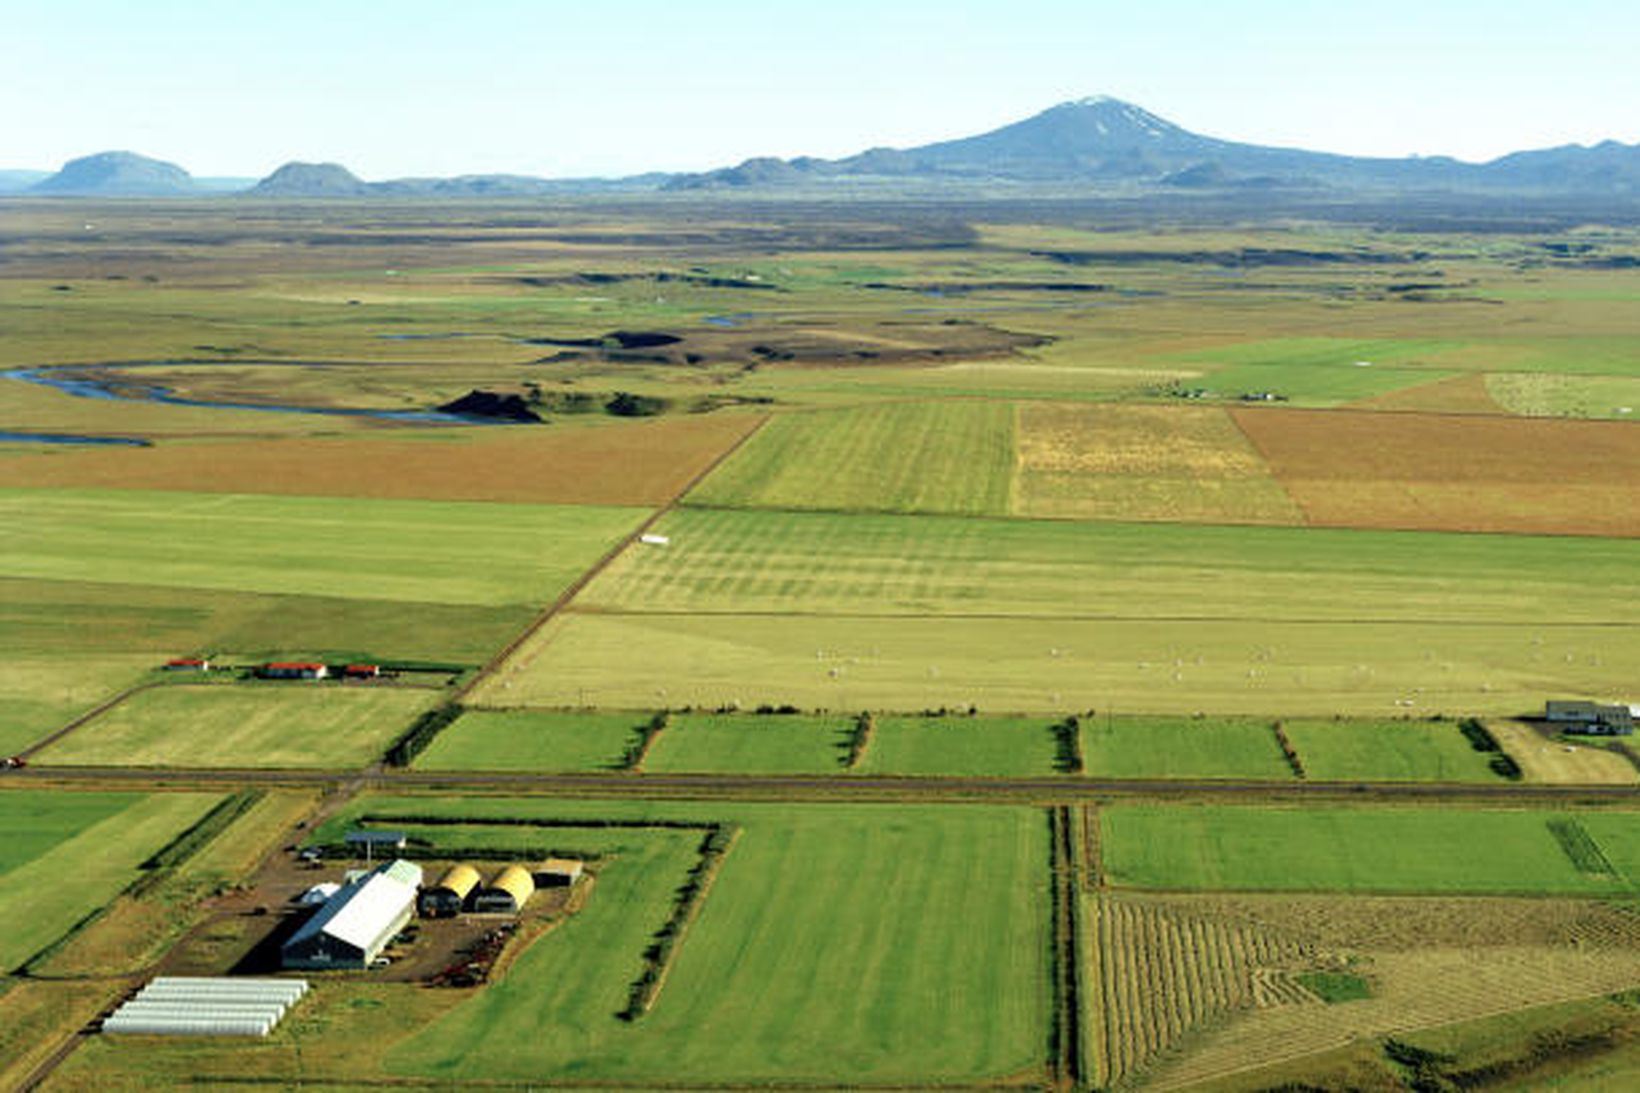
(1149, 747)
(954, 457)
(880, 903)
(91, 849)
(742, 744)
(997, 747)
(351, 548)
(541, 740)
(1387, 751)
(1413, 850)
(260, 725)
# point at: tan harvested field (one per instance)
(644, 462)
(1463, 394)
(1429, 962)
(1165, 972)
(1449, 472)
(1137, 462)
(1545, 759)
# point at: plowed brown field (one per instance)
(636, 463)
(1452, 472)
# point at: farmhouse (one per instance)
(293, 670)
(447, 898)
(507, 893)
(188, 664)
(558, 872)
(1593, 718)
(355, 925)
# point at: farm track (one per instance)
(84, 719)
(580, 583)
(1034, 790)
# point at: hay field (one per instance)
(254, 725)
(1134, 462)
(544, 740)
(1387, 751)
(1051, 666)
(410, 551)
(1453, 472)
(638, 463)
(944, 457)
(96, 853)
(1428, 850)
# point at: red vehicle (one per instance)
(12, 762)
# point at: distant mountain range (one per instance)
(1096, 145)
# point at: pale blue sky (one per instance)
(400, 87)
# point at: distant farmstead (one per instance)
(293, 670)
(1593, 718)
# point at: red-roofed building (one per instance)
(293, 670)
(361, 671)
(188, 664)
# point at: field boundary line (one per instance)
(1006, 616)
(89, 716)
(577, 586)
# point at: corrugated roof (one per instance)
(360, 912)
(460, 879)
(516, 881)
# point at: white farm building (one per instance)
(356, 924)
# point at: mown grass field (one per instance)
(352, 548)
(959, 746)
(948, 457)
(1424, 850)
(37, 821)
(544, 740)
(1387, 751)
(741, 744)
(1150, 747)
(261, 725)
(1051, 666)
(59, 884)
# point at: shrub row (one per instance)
(859, 739)
(414, 740)
(632, 758)
(1067, 736)
(641, 995)
(1479, 736)
(407, 819)
(1287, 750)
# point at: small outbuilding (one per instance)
(449, 896)
(188, 664)
(318, 895)
(362, 671)
(371, 843)
(507, 892)
(558, 872)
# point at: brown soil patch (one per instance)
(637, 463)
(1464, 394)
(1448, 472)
(1543, 757)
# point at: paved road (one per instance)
(845, 787)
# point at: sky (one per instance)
(394, 88)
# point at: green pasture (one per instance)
(1177, 747)
(253, 725)
(953, 457)
(1051, 666)
(978, 747)
(542, 740)
(750, 744)
(813, 902)
(350, 548)
(1387, 751)
(1416, 850)
(89, 852)
(820, 563)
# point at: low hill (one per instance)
(117, 174)
(311, 180)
